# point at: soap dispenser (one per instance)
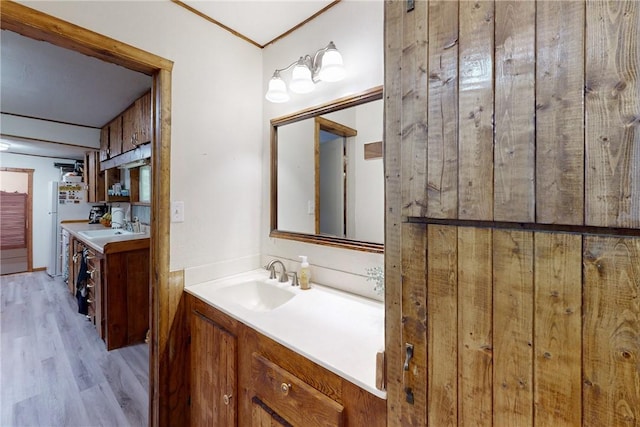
(305, 274)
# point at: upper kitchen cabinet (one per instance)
(136, 123)
(115, 137)
(126, 133)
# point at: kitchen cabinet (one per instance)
(136, 123)
(266, 383)
(94, 290)
(104, 144)
(118, 287)
(99, 182)
(115, 137)
(94, 178)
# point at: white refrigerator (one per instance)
(68, 203)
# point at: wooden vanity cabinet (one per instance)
(269, 384)
(284, 396)
(213, 367)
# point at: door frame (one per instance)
(40, 26)
(29, 173)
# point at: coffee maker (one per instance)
(96, 213)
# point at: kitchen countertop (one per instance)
(106, 245)
(340, 331)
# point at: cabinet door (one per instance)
(94, 287)
(104, 143)
(115, 137)
(213, 374)
(130, 133)
(144, 112)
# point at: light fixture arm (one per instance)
(308, 70)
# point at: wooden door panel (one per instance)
(213, 374)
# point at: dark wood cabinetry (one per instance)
(213, 373)
(240, 377)
(136, 123)
(115, 137)
(118, 289)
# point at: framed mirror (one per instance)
(327, 174)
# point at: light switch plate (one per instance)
(177, 211)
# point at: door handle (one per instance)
(409, 355)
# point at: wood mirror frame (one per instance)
(372, 94)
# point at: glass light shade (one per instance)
(332, 68)
(4, 146)
(301, 79)
(277, 90)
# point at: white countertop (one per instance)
(98, 244)
(341, 332)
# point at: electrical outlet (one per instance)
(177, 211)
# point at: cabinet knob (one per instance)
(284, 388)
(226, 398)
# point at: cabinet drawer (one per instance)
(291, 398)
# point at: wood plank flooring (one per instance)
(13, 261)
(55, 370)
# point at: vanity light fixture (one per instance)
(325, 64)
(4, 146)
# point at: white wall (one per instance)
(14, 182)
(26, 127)
(356, 27)
(216, 138)
(44, 173)
(296, 177)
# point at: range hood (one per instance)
(140, 156)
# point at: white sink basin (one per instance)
(107, 232)
(255, 295)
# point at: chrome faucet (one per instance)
(271, 267)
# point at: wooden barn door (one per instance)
(15, 220)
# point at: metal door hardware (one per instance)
(409, 351)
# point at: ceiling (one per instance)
(40, 80)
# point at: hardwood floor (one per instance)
(55, 370)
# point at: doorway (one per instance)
(16, 193)
(331, 176)
(34, 24)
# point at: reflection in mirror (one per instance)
(327, 186)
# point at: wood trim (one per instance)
(245, 38)
(322, 124)
(29, 230)
(335, 127)
(47, 120)
(335, 242)
(369, 95)
(316, 174)
(40, 26)
(312, 17)
(34, 24)
(48, 141)
(373, 150)
(218, 23)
